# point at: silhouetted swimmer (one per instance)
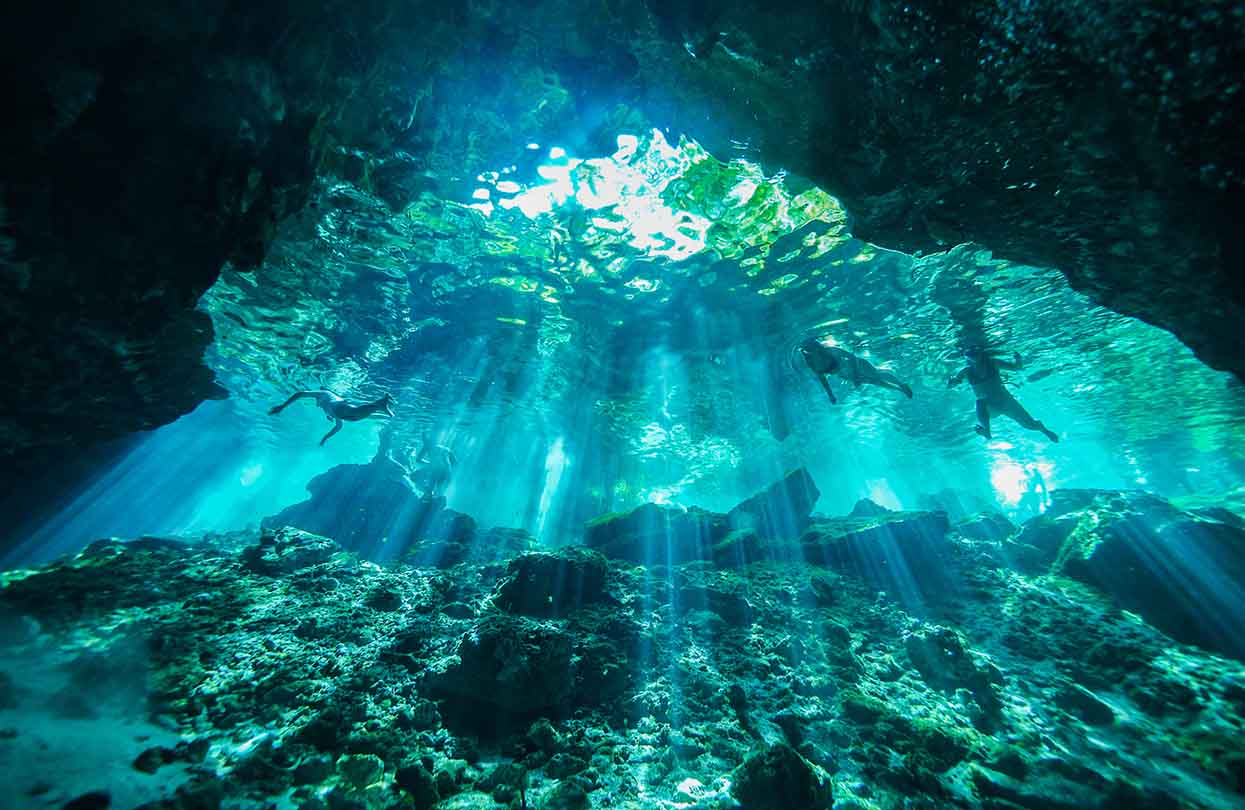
(438, 467)
(982, 373)
(1036, 496)
(339, 410)
(823, 360)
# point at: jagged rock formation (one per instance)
(564, 678)
(903, 553)
(1183, 572)
(558, 678)
(778, 777)
(373, 509)
(155, 146)
(660, 535)
(780, 510)
(939, 123)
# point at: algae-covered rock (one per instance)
(986, 526)
(551, 584)
(653, 534)
(544, 737)
(900, 552)
(945, 661)
(360, 770)
(95, 800)
(865, 508)
(781, 510)
(778, 778)
(738, 548)
(1057, 784)
(419, 784)
(1183, 573)
(372, 509)
(657, 535)
(1082, 703)
(561, 766)
(505, 782)
(568, 794)
(284, 551)
(514, 664)
(733, 607)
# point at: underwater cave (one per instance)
(693, 405)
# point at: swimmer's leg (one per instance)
(329, 435)
(278, 408)
(983, 419)
(821, 378)
(1023, 418)
(889, 380)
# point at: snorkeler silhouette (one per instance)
(1036, 496)
(438, 465)
(338, 410)
(982, 372)
(823, 360)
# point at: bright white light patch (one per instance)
(880, 492)
(627, 188)
(1009, 480)
(250, 474)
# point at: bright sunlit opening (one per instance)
(626, 189)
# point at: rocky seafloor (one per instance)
(765, 658)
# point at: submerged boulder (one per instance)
(985, 526)
(653, 534)
(900, 552)
(551, 584)
(1182, 572)
(866, 507)
(512, 664)
(778, 778)
(945, 662)
(373, 510)
(781, 510)
(729, 604)
(286, 550)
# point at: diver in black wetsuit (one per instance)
(982, 372)
(338, 410)
(823, 360)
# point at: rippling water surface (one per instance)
(627, 323)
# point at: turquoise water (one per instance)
(608, 349)
(589, 334)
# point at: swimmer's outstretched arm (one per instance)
(958, 378)
(278, 408)
(1009, 365)
(329, 435)
(821, 378)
